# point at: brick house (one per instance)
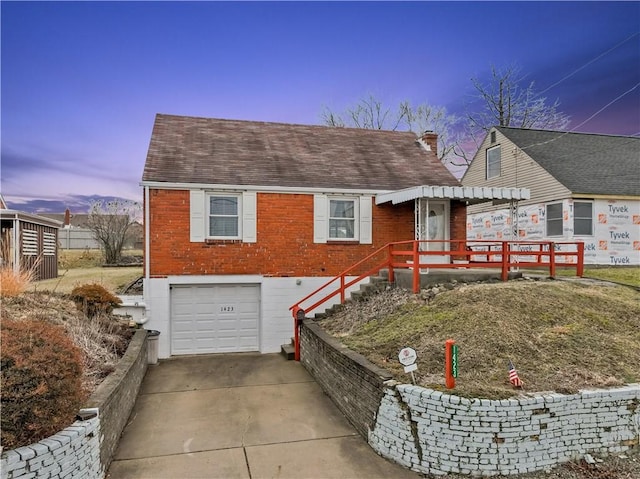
(584, 187)
(243, 219)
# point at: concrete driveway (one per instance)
(241, 416)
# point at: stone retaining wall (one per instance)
(84, 449)
(432, 432)
(351, 381)
(72, 453)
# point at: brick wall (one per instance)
(354, 384)
(84, 449)
(72, 453)
(116, 395)
(432, 432)
(285, 230)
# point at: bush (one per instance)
(41, 381)
(94, 299)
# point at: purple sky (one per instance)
(82, 81)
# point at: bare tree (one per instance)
(110, 222)
(370, 113)
(505, 99)
(508, 101)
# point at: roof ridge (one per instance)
(276, 123)
(564, 132)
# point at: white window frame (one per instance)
(356, 216)
(546, 211)
(199, 216)
(575, 217)
(363, 211)
(490, 164)
(237, 216)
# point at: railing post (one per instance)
(298, 317)
(391, 274)
(342, 295)
(552, 260)
(505, 261)
(416, 267)
(580, 267)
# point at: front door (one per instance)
(433, 224)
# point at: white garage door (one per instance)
(214, 318)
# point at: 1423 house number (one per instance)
(226, 309)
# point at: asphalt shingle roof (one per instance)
(232, 152)
(584, 162)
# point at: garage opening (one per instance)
(221, 318)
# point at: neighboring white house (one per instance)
(584, 187)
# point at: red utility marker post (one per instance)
(450, 363)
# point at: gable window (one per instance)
(224, 216)
(342, 219)
(493, 162)
(554, 219)
(583, 218)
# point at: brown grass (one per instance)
(14, 283)
(561, 335)
(102, 339)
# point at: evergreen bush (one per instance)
(94, 299)
(41, 372)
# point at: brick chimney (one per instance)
(67, 218)
(430, 139)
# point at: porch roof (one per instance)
(29, 218)
(470, 194)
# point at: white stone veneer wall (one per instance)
(432, 432)
(74, 452)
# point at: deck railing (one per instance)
(420, 256)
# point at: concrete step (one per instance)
(288, 351)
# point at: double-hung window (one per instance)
(583, 218)
(493, 162)
(554, 219)
(342, 219)
(224, 216)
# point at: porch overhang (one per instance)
(470, 194)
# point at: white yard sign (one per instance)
(407, 358)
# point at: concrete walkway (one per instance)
(241, 416)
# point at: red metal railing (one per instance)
(417, 255)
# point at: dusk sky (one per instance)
(82, 81)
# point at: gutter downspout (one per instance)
(147, 252)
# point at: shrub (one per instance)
(14, 283)
(41, 381)
(94, 299)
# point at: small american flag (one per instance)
(513, 376)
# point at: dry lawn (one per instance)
(78, 267)
(623, 275)
(561, 335)
(112, 279)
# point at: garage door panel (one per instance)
(214, 318)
